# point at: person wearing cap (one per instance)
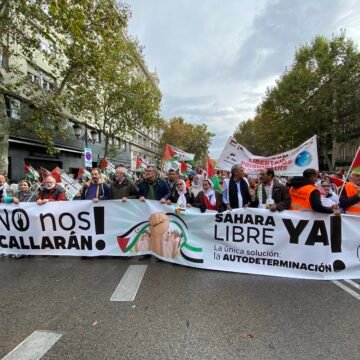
(153, 187)
(122, 187)
(237, 192)
(350, 196)
(305, 196)
(208, 198)
(270, 193)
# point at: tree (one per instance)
(73, 39)
(115, 98)
(191, 138)
(319, 94)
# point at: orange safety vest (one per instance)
(300, 198)
(352, 190)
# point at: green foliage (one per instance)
(319, 94)
(191, 138)
(89, 59)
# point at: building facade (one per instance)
(24, 147)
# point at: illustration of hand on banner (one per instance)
(164, 234)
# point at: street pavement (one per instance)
(177, 313)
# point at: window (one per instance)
(35, 79)
(342, 153)
(3, 60)
(45, 84)
(40, 81)
(14, 108)
(47, 46)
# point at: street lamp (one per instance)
(94, 136)
(77, 130)
(93, 133)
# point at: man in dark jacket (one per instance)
(305, 196)
(172, 181)
(236, 191)
(270, 193)
(153, 188)
(96, 189)
(122, 187)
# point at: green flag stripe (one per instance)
(192, 248)
(136, 238)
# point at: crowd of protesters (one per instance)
(310, 192)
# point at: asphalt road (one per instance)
(178, 312)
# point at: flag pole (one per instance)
(348, 173)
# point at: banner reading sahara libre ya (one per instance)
(289, 163)
(290, 243)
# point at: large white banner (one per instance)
(257, 241)
(289, 163)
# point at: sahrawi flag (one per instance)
(30, 173)
(107, 167)
(173, 157)
(185, 168)
(210, 174)
(141, 164)
(355, 166)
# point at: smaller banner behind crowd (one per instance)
(257, 241)
(289, 163)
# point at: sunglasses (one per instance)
(179, 184)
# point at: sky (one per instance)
(215, 59)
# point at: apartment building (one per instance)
(25, 147)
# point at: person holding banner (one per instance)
(350, 196)
(24, 194)
(122, 187)
(236, 192)
(328, 196)
(208, 198)
(305, 196)
(270, 193)
(196, 185)
(51, 191)
(3, 186)
(153, 187)
(181, 195)
(97, 189)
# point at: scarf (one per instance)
(210, 194)
(195, 189)
(181, 202)
(265, 199)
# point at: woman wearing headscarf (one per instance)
(182, 197)
(208, 198)
(196, 185)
